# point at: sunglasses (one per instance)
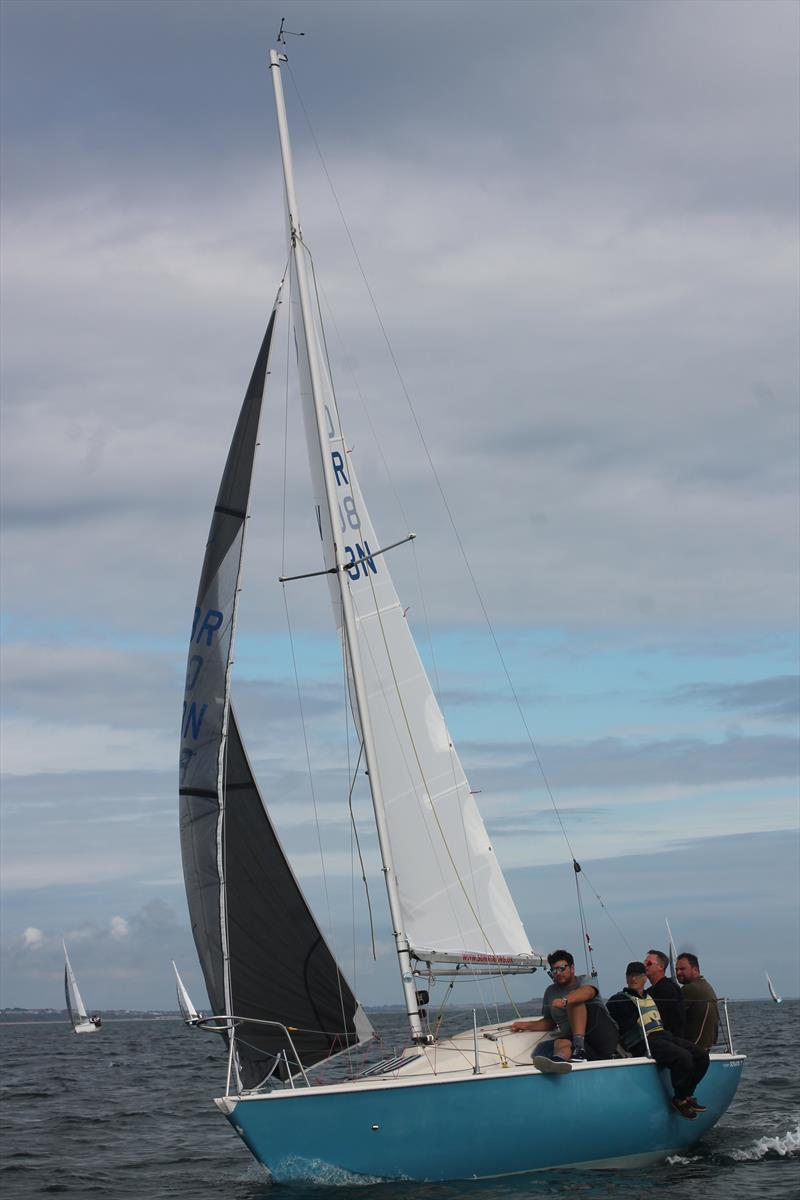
(558, 970)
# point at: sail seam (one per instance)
(230, 512)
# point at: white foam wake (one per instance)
(785, 1147)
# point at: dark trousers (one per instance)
(687, 1063)
(600, 1040)
(602, 1034)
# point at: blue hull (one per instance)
(477, 1127)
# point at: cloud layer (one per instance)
(582, 240)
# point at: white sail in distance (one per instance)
(453, 897)
(188, 1010)
(75, 1006)
(772, 992)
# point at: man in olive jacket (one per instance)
(700, 1001)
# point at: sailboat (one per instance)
(471, 1105)
(188, 1011)
(672, 950)
(773, 994)
(81, 1021)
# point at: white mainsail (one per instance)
(188, 1011)
(772, 992)
(672, 950)
(75, 1006)
(453, 897)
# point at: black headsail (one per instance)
(262, 954)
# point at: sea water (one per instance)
(128, 1113)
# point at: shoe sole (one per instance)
(548, 1067)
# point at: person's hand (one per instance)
(518, 1026)
(559, 1002)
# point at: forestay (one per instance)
(453, 897)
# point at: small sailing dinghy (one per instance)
(81, 1021)
(188, 1011)
(773, 994)
(472, 1105)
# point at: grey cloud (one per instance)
(536, 820)
(682, 467)
(615, 763)
(588, 273)
(777, 697)
(96, 684)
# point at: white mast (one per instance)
(351, 639)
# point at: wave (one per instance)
(787, 1146)
(322, 1174)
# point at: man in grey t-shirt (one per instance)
(573, 1008)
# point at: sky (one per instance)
(579, 224)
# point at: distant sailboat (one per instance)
(778, 999)
(672, 950)
(81, 1021)
(188, 1011)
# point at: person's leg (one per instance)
(562, 1047)
(700, 1061)
(667, 1053)
(602, 1035)
(577, 1019)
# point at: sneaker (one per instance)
(684, 1109)
(694, 1103)
(578, 1055)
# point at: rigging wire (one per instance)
(339, 980)
(320, 296)
(378, 613)
(354, 777)
(430, 461)
(397, 690)
(451, 518)
(222, 766)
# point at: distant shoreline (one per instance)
(32, 1016)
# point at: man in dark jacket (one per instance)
(643, 1035)
(666, 993)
